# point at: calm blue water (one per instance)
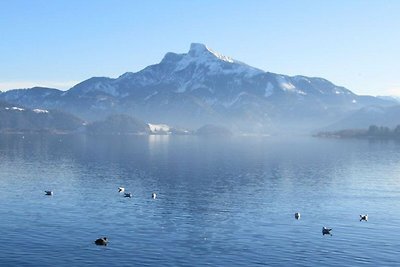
(221, 202)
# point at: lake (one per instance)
(220, 201)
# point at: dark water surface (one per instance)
(221, 202)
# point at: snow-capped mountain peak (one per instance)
(207, 60)
(197, 49)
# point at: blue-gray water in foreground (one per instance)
(220, 202)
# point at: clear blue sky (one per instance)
(58, 43)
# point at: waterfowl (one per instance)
(48, 193)
(128, 195)
(101, 241)
(297, 215)
(121, 189)
(326, 231)
(363, 217)
(153, 195)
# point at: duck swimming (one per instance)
(326, 231)
(101, 241)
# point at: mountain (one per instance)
(204, 87)
(33, 97)
(213, 130)
(118, 124)
(371, 115)
(394, 99)
(20, 119)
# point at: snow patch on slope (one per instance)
(106, 88)
(159, 128)
(236, 99)
(36, 110)
(269, 90)
(150, 95)
(284, 83)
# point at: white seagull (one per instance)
(121, 189)
(153, 195)
(297, 215)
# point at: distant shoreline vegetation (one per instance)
(373, 132)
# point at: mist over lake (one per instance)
(227, 201)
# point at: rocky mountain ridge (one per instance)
(202, 87)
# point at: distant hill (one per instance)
(371, 115)
(394, 99)
(213, 130)
(118, 124)
(20, 119)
